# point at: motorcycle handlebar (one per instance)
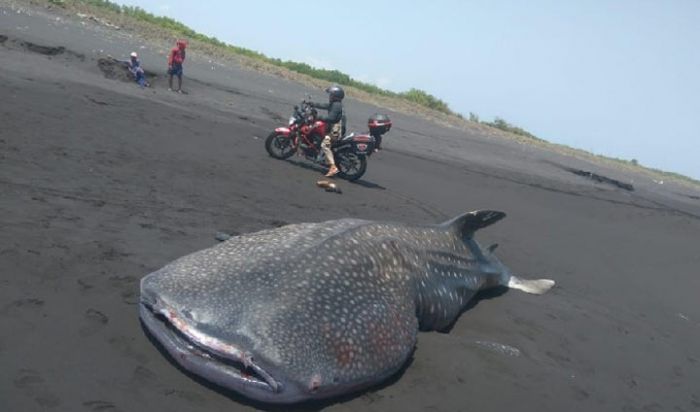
(305, 112)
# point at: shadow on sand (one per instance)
(314, 405)
(487, 294)
(321, 169)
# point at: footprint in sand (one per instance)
(26, 303)
(95, 320)
(84, 284)
(27, 378)
(130, 297)
(99, 405)
(29, 308)
(128, 286)
(31, 382)
(143, 375)
(123, 345)
(186, 396)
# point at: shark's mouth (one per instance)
(207, 356)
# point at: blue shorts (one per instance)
(176, 70)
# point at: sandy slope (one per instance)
(102, 182)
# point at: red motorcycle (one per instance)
(304, 136)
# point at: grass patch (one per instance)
(501, 124)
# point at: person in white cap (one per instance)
(136, 69)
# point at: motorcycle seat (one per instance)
(343, 139)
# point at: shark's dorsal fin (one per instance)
(470, 222)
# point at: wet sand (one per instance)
(103, 182)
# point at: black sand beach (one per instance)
(103, 182)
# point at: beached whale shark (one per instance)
(314, 310)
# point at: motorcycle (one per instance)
(304, 135)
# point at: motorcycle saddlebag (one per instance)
(361, 143)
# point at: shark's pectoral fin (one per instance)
(534, 286)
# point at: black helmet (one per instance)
(336, 93)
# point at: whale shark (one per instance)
(315, 310)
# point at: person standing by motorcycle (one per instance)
(334, 123)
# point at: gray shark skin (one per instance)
(314, 310)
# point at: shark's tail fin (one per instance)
(470, 222)
(465, 225)
(534, 286)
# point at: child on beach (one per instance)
(134, 65)
(175, 60)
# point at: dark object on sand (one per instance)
(49, 51)
(329, 186)
(45, 50)
(314, 310)
(602, 179)
(119, 70)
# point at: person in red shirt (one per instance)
(175, 60)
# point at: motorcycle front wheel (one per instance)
(279, 146)
(351, 165)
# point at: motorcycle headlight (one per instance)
(292, 120)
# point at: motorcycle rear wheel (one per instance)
(279, 146)
(351, 165)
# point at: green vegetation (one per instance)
(425, 99)
(416, 96)
(501, 124)
(333, 76)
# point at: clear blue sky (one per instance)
(620, 78)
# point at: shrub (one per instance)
(501, 124)
(426, 99)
